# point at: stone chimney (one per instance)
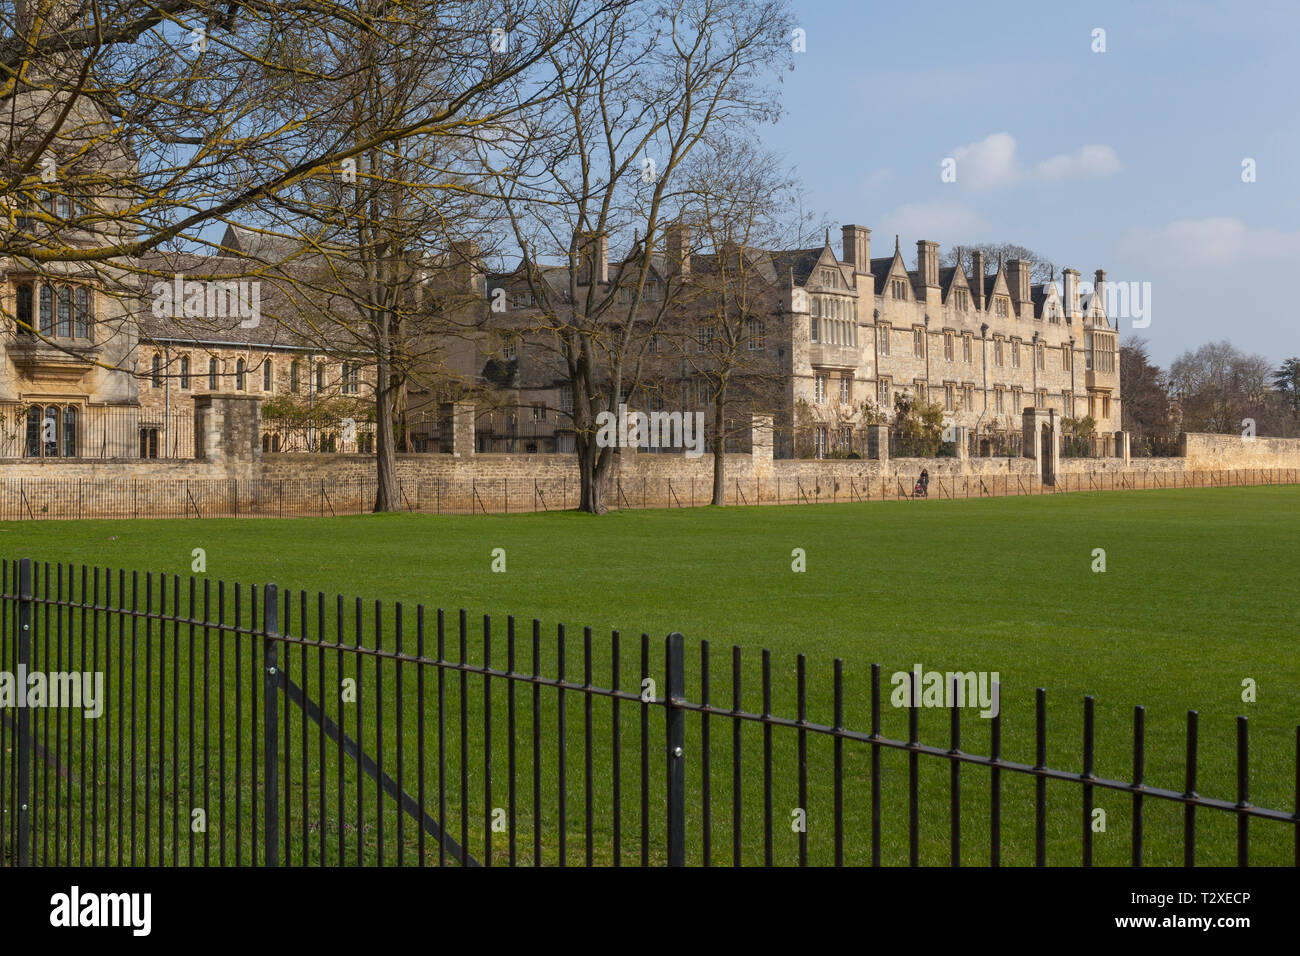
(593, 258)
(677, 239)
(977, 278)
(857, 248)
(927, 262)
(1070, 291)
(1099, 290)
(1018, 278)
(465, 263)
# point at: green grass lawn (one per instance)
(1199, 593)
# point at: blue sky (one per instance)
(1128, 160)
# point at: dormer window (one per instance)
(898, 288)
(1001, 306)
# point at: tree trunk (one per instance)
(593, 466)
(387, 492)
(719, 451)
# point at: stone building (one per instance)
(985, 347)
(309, 391)
(66, 338)
(825, 343)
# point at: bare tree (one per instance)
(1042, 269)
(643, 88)
(1218, 387)
(736, 203)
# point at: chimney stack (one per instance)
(1018, 278)
(1070, 292)
(593, 258)
(1099, 290)
(678, 239)
(927, 262)
(977, 278)
(857, 248)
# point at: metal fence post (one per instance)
(270, 738)
(676, 762)
(22, 744)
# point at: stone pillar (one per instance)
(1031, 445)
(1122, 446)
(1054, 453)
(760, 440)
(228, 428)
(456, 429)
(878, 442)
(962, 436)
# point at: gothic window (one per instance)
(47, 310)
(25, 308)
(83, 317)
(65, 312)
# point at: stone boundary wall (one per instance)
(500, 489)
(231, 476)
(1233, 451)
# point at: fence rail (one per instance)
(51, 432)
(23, 499)
(267, 727)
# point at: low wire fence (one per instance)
(229, 725)
(26, 499)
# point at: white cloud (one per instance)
(991, 163)
(941, 221)
(1214, 239)
(988, 163)
(1094, 160)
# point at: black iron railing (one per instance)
(236, 726)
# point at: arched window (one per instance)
(320, 376)
(268, 376)
(50, 432)
(47, 310)
(65, 312)
(33, 432)
(185, 371)
(82, 328)
(25, 308)
(69, 432)
(240, 369)
(212, 375)
(156, 369)
(294, 369)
